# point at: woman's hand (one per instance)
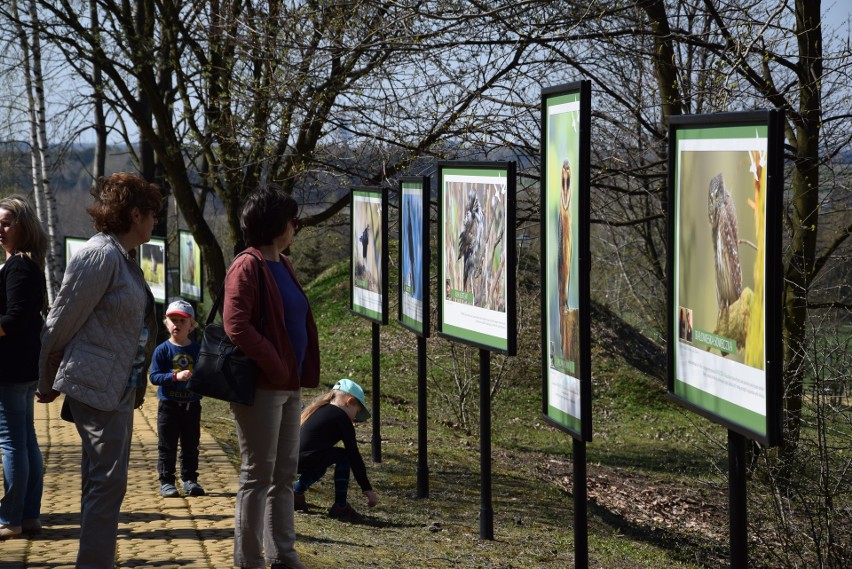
(48, 397)
(372, 499)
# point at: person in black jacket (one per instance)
(326, 422)
(22, 294)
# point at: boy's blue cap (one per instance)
(353, 389)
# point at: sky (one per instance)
(836, 15)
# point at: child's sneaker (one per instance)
(300, 503)
(193, 488)
(169, 491)
(345, 512)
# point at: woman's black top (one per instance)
(22, 292)
(325, 428)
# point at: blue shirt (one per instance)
(295, 309)
(168, 359)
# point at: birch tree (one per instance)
(45, 202)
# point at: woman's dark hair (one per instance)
(116, 196)
(32, 238)
(265, 214)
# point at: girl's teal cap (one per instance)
(353, 389)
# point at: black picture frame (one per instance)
(152, 253)
(728, 133)
(565, 309)
(462, 317)
(72, 245)
(414, 215)
(368, 292)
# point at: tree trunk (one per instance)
(145, 29)
(804, 213)
(100, 119)
(665, 67)
(35, 105)
(53, 267)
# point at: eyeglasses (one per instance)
(4, 225)
(295, 222)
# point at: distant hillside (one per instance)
(70, 180)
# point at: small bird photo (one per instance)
(366, 243)
(475, 253)
(718, 248)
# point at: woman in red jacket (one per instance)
(286, 349)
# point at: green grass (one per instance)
(642, 443)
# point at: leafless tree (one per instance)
(314, 96)
(45, 202)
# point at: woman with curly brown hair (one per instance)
(96, 345)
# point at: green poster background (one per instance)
(410, 194)
(452, 215)
(562, 319)
(710, 328)
(367, 268)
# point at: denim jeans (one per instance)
(313, 471)
(23, 468)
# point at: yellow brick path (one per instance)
(153, 531)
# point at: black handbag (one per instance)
(223, 371)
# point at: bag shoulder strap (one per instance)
(217, 304)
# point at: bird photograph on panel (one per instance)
(720, 266)
(475, 248)
(561, 266)
(412, 218)
(190, 266)
(152, 257)
(367, 242)
(563, 216)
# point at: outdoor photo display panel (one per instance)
(565, 275)
(368, 254)
(477, 246)
(152, 256)
(414, 255)
(724, 281)
(190, 266)
(72, 245)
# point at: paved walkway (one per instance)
(153, 531)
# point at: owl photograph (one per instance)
(562, 272)
(726, 257)
(717, 242)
